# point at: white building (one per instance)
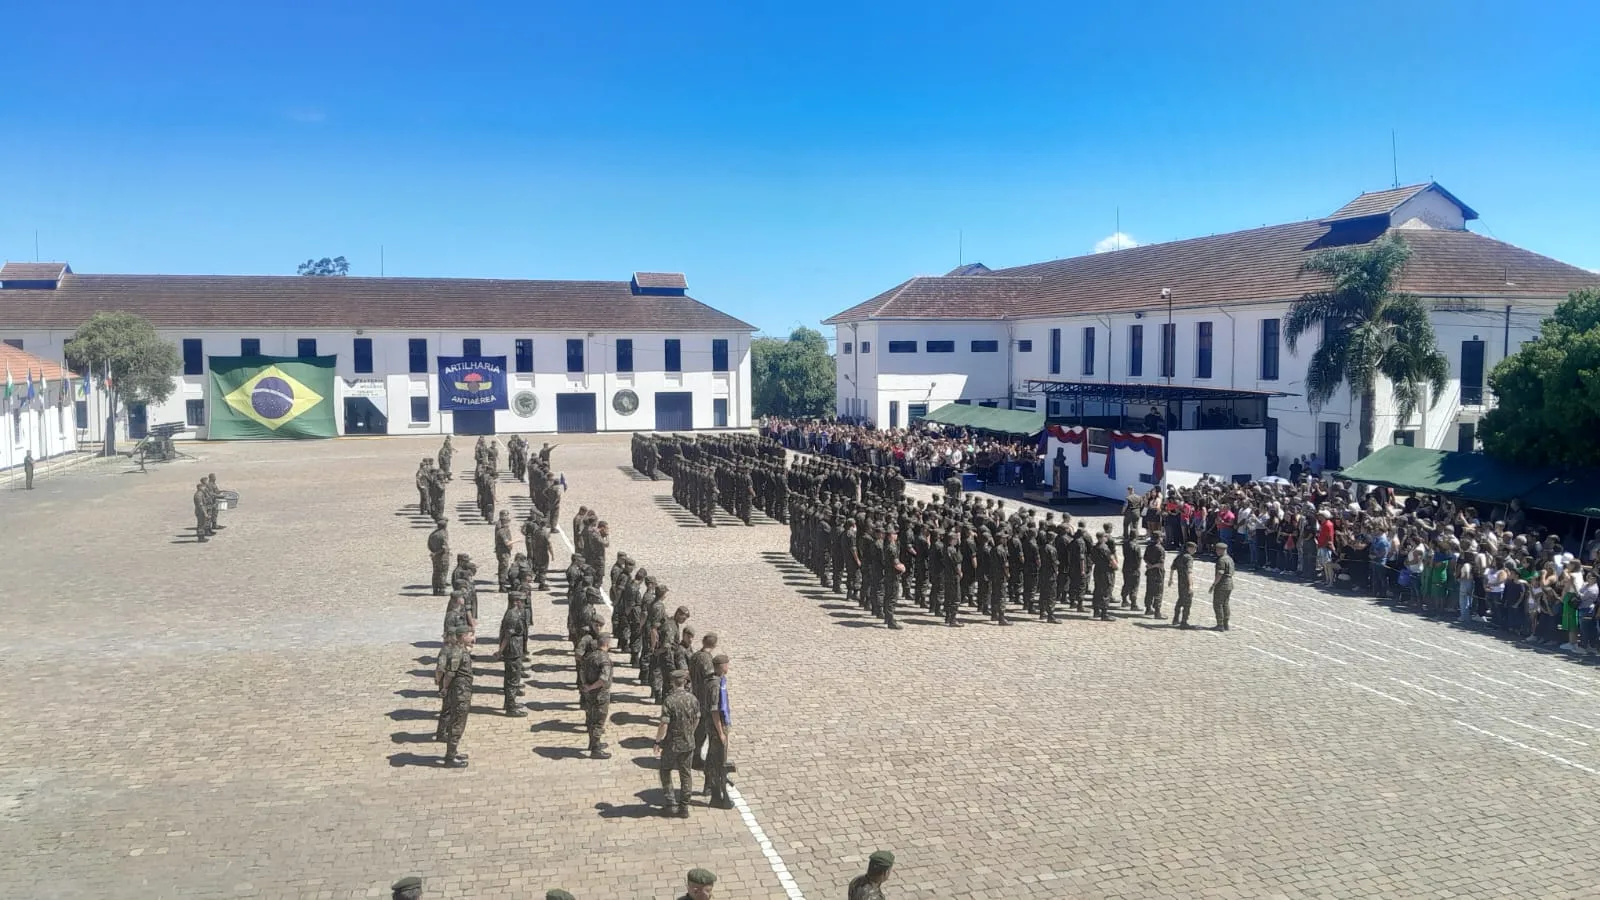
(1198, 322)
(44, 425)
(634, 355)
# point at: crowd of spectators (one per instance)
(925, 452)
(1505, 571)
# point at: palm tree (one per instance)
(1370, 330)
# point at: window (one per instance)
(985, 346)
(902, 346)
(1088, 350)
(719, 354)
(1023, 403)
(1053, 407)
(1055, 351)
(940, 347)
(14, 342)
(866, 346)
(363, 356)
(1025, 346)
(194, 412)
(419, 356)
(307, 348)
(80, 413)
(471, 347)
(1269, 349)
(249, 346)
(524, 354)
(1471, 374)
(846, 348)
(989, 404)
(1169, 350)
(419, 409)
(894, 413)
(1135, 350)
(1202, 350)
(16, 425)
(674, 361)
(194, 362)
(915, 411)
(624, 354)
(575, 356)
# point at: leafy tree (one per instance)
(1547, 394)
(1370, 331)
(338, 265)
(792, 377)
(126, 347)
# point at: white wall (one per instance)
(1221, 453)
(1092, 479)
(870, 382)
(46, 427)
(1429, 209)
(391, 364)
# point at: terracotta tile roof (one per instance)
(1259, 264)
(945, 297)
(293, 301)
(20, 362)
(27, 271)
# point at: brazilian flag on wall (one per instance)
(272, 397)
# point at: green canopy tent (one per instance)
(1470, 475)
(1014, 422)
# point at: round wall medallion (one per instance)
(525, 403)
(626, 402)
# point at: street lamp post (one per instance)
(1169, 357)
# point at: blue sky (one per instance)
(792, 159)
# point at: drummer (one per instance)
(215, 493)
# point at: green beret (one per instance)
(409, 883)
(558, 894)
(701, 876)
(883, 859)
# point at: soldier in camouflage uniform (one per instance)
(680, 716)
(513, 646)
(1155, 565)
(596, 694)
(1181, 567)
(439, 553)
(453, 675)
(504, 539)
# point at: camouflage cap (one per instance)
(701, 876)
(883, 859)
(408, 883)
(558, 894)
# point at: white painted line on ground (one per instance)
(767, 850)
(1362, 652)
(1554, 684)
(1436, 647)
(1315, 653)
(1397, 649)
(1460, 685)
(1311, 622)
(1579, 724)
(1389, 621)
(1275, 656)
(1510, 685)
(1352, 622)
(1276, 625)
(1369, 690)
(1521, 746)
(1418, 687)
(567, 541)
(1545, 732)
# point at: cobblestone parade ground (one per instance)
(251, 717)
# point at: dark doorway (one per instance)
(674, 411)
(916, 412)
(138, 421)
(1330, 445)
(575, 413)
(1405, 438)
(473, 421)
(1472, 373)
(894, 413)
(1467, 437)
(719, 412)
(362, 416)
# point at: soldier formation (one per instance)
(739, 473)
(688, 684)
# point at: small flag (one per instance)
(11, 386)
(29, 398)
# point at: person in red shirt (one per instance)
(1325, 546)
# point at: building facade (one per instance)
(635, 355)
(1206, 314)
(39, 409)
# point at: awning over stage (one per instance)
(988, 418)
